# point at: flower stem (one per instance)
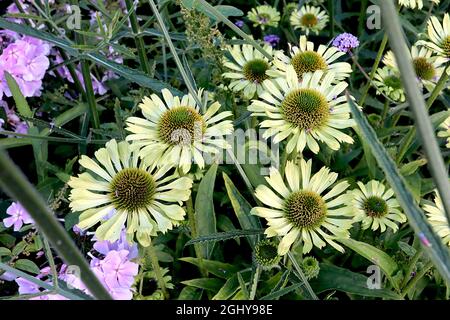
(302, 276)
(157, 269)
(14, 183)
(184, 75)
(90, 94)
(198, 251)
(140, 45)
(411, 266)
(374, 69)
(414, 280)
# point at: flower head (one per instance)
(264, 16)
(305, 59)
(309, 19)
(304, 112)
(389, 83)
(128, 189)
(265, 254)
(272, 40)
(176, 132)
(248, 69)
(445, 133)
(239, 23)
(105, 246)
(438, 219)
(298, 207)
(27, 62)
(428, 67)
(310, 267)
(375, 207)
(438, 36)
(345, 42)
(18, 216)
(116, 273)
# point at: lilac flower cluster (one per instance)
(114, 269)
(345, 42)
(26, 59)
(272, 40)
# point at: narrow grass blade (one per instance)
(416, 217)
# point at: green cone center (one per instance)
(305, 108)
(375, 207)
(307, 61)
(446, 46)
(305, 209)
(255, 70)
(181, 125)
(131, 189)
(424, 69)
(309, 20)
(393, 82)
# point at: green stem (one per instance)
(331, 11)
(51, 261)
(194, 235)
(90, 94)
(157, 269)
(411, 266)
(374, 70)
(361, 15)
(14, 183)
(302, 276)
(73, 74)
(140, 45)
(417, 277)
(178, 62)
(53, 139)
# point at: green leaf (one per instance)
(210, 284)
(7, 239)
(416, 217)
(217, 268)
(19, 99)
(27, 265)
(18, 248)
(411, 167)
(241, 208)
(205, 217)
(231, 286)
(335, 278)
(5, 252)
(190, 293)
(282, 292)
(222, 236)
(378, 257)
